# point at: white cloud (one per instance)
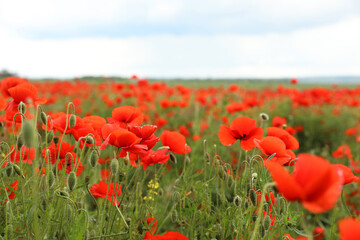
(329, 50)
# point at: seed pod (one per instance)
(43, 117)
(267, 222)
(94, 157)
(252, 195)
(72, 121)
(9, 170)
(22, 107)
(28, 133)
(51, 178)
(72, 180)
(50, 136)
(114, 166)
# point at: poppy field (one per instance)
(178, 160)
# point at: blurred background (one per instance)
(181, 38)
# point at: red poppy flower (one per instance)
(65, 148)
(349, 229)
(146, 133)
(153, 227)
(315, 182)
(175, 141)
(26, 155)
(290, 141)
(342, 151)
(121, 138)
(100, 189)
(278, 121)
(169, 236)
(10, 82)
(126, 115)
(273, 145)
(153, 157)
(349, 177)
(243, 129)
(12, 190)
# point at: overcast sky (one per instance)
(180, 38)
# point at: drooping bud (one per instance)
(56, 140)
(87, 180)
(93, 158)
(252, 195)
(264, 116)
(72, 180)
(114, 166)
(72, 121)
(43, 117)
(267, 222)
(89, 140)
(51, 179)
(28, 133)
(22, 107)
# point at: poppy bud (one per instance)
(264, 116)
(72, 121)
(9, 170)
(267, 222)
(28, 133)
(89, 140)
(284, 126)
(43, 117)
(20, 141)
(237, 201)
(50, 136)
(266, 207)
(114, 166)
(18, 171)
(51, 178)
(252, 195)
(72, 180)
(93, 158)
(56, 140)
(90, 203)
(22, 107)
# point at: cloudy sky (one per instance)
(180, 38)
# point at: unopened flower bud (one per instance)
(43, 117)
(254, 178)
(20, 141)
(89, 140)
(284, 126)
(51, 178)
(56, 140)
(28, 133)
(72, 180)
(72, 121)
(9, 170)
(50, 136)
(93, 158)
(114, 166)
(253, 196)
(267, 222)
(22, 107)
(173, 158)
